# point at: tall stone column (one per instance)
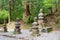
(9, 15)
(40, 19)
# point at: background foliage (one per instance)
(17, 8)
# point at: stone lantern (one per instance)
(17, 26)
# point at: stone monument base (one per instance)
(17, 31)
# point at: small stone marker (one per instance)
(46, 30)
(49, 29)
(17, 26)
(5, 28)
(43, 30)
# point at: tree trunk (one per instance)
(9, 12)
(26, 10)
(2, 6)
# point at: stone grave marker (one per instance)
(5, 28)
(17, 26)
(35, 29)
(40, 20)
(41, 23)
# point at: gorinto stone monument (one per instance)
(40, 19)
(17, 26)
(41, 23)
(35, 29)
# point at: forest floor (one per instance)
(26, 26)
(22, 26)
(26, 35)
(54, 35)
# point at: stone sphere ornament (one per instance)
(35, 19)
(41, 10)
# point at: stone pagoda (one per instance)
(17, 26)
(35, 29)
(40, 19)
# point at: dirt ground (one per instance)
(26, 26)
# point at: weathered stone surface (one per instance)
(17, 26)
(35, 29)
(5, 28)
(47, 29)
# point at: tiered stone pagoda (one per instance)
(17, 26)
(35, 29)
(41, 23)
(40, 19)
(38, 24)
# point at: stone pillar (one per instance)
(17, 26)
(40, 18)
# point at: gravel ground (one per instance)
(55, 35)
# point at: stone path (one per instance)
(55, 35)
